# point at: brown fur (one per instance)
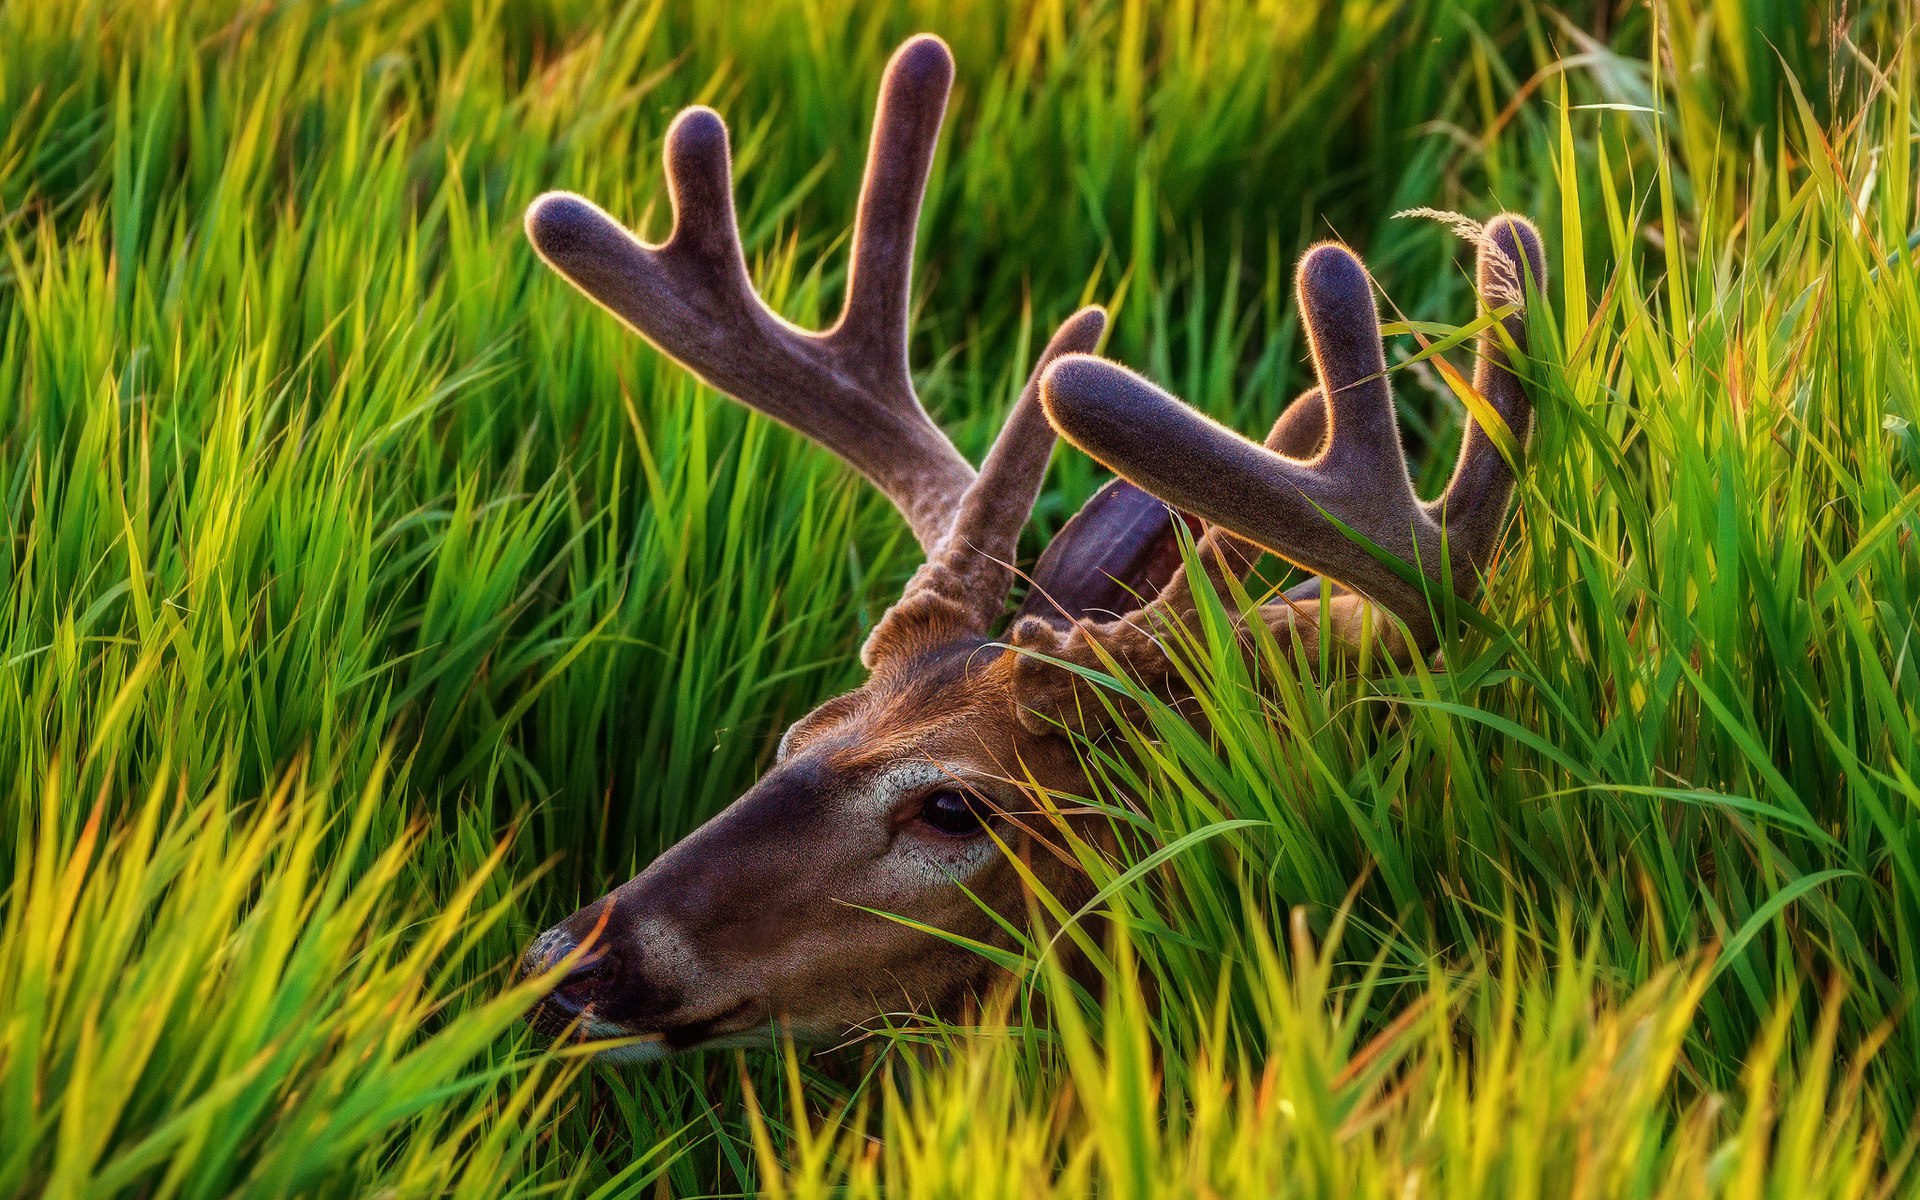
(775, 892)
(818, 900)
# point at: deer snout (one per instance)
(545, 952)
(590, 976)
(583, 979)
(587, 956)
(608, 976)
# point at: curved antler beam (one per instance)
(1309, 510)
(849, 387)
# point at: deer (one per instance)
(815, 903)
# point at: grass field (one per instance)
(370, 600)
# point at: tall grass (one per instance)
(219, 994)
(370, 600)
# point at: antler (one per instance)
(847, 387)
(1332, 472)
(964, 583)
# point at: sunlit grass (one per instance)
(219, 995)
(370, 600)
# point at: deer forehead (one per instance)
(952, 702)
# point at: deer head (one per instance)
(786, 909)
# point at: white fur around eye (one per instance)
(927, 858)
(891, 786)
(941, 860)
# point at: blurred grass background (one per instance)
(370, 600)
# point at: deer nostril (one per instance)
(594, 967)
(589, 979)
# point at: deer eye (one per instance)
(953, 812)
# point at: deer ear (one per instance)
(1117, 550)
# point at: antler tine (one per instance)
(1335, 295)
(963, 585)
(906, 128)
(1300, 431)
(849, 388)
(986, 531)
(1474, 505)
(1297, 507)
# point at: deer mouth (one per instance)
(738, 1025)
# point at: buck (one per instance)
(784, 912)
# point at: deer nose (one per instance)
(588, 983)
(547, 949)
(592, 979)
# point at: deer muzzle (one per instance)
(619, 975)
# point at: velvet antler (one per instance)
(964, 583)
(848, 387)
(1331, 477)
